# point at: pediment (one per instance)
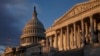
(78, 9)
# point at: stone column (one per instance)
(56, 40)
(75, 42)
(87, 36)
(33, 39)
(86, 33)
(58, 35)
(68, 38)
(53, 40)
(61, 40)
(71, 38)
(51, 43)
(25, 40)
(30, 39)
(36, 39)
(82, 33)
(47, 42)
(78, 37)
(95, 24)
(65, 40)
(92, 29)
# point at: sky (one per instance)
(14, 14)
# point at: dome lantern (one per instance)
(35, 13)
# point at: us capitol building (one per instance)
(68, 35)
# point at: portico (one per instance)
(74, 30)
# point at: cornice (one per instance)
(83, 7)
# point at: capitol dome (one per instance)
(33, 31)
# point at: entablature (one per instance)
(77, 9)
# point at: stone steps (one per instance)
(75, 52)
(92, 50)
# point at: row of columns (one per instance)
(73, 36)
(29, 40)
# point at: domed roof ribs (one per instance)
(35, 13)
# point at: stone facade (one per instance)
(68, 35)
(9, 51)
(76, 28)
(31, 39)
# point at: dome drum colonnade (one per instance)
(33, 31)
(76, 31)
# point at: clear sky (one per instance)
(14, 14)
